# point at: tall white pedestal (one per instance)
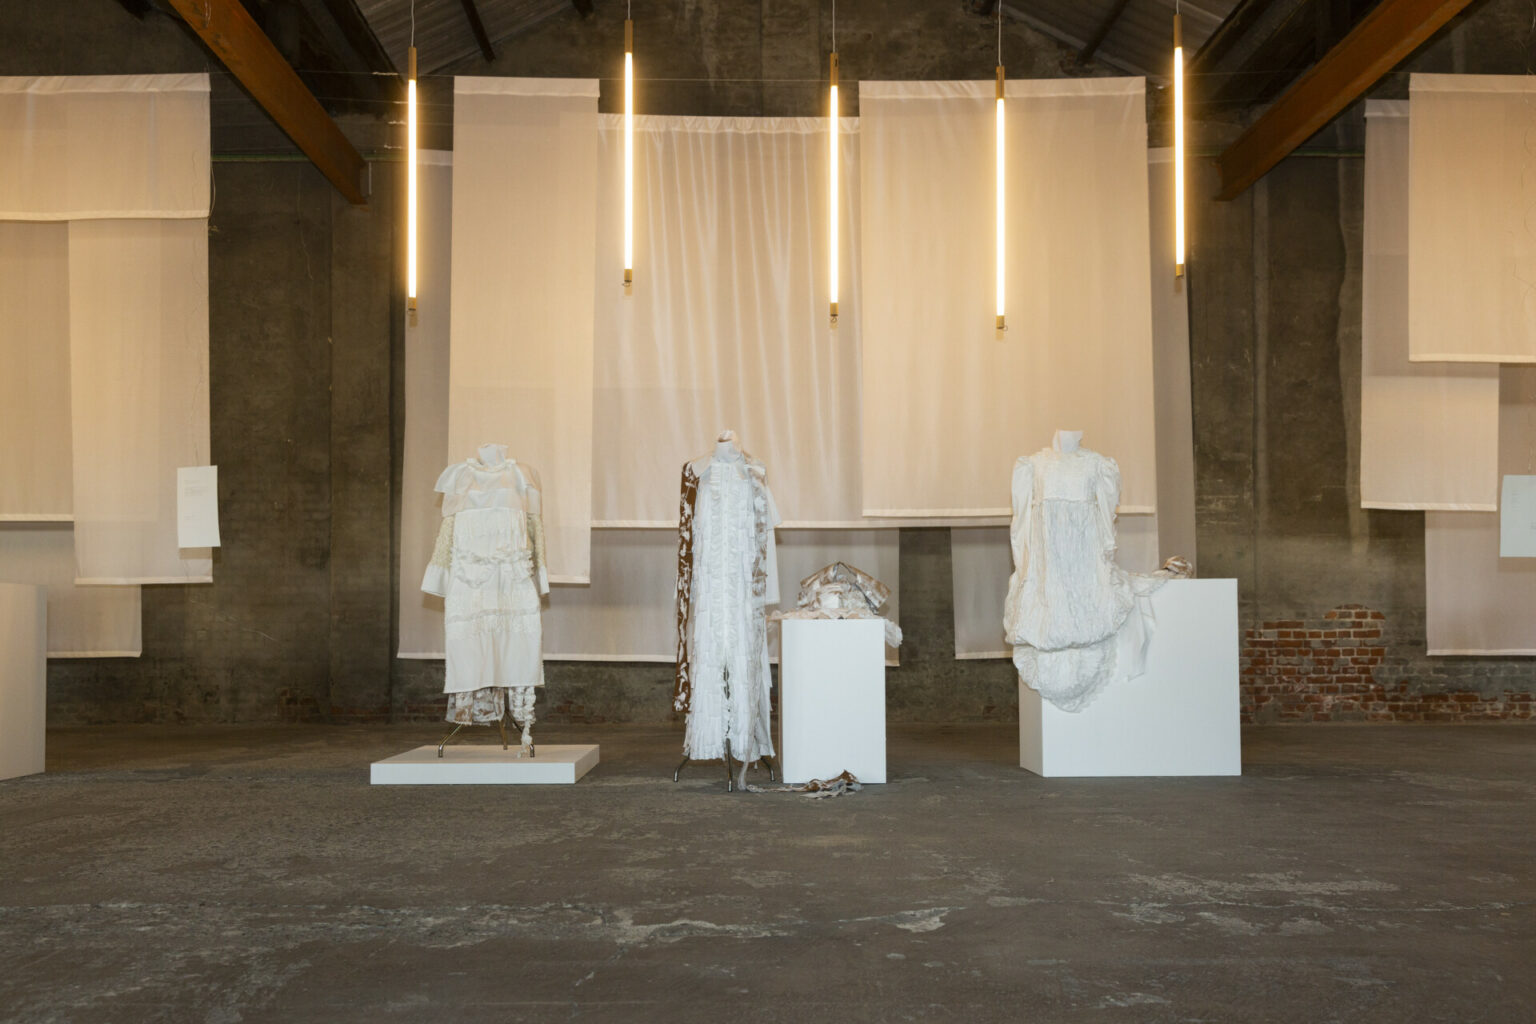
(23, 678)
(832, 699)
(485, 764)
(1180, 718)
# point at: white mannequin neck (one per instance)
(492, 454)
(727, 447)
(1067, 441)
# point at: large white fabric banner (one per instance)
(520, 369)
(80, 147)
(83, 622)
(1429, 432)
(1477, 602)
(1472, 245)
(34, 372)
(727, 325)
(426, 406)
(138, 339)
(947, 404)
(628, 612)
(1172, 397)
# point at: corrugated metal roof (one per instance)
(443, 35)
(1140, 40)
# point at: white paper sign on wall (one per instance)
(197, 507)
(1517, 517)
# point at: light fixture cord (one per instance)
(413, 22)
(1000, 32)
(834, 26)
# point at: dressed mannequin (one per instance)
(1068, 600)
(727, 578)
(489, 567)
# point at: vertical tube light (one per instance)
(832, 190)
(410, 181)
(629, 152)
(1178, 146)
(1001, 205)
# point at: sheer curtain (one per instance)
(88, 146)
(1429, 432)
(83, 622)
(727, 323)
(1477, 602)
(947, 404)
(1472, 235)
(138, 340)
(34, 381)
(982, 558)
(627, 611)
(520, 337)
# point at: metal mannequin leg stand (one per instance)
(450, 736)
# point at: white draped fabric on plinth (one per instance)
(87, 146)
(83, 622)
(727, 324)
(1472, 245)
(138, 327)
(34, 372)
(1428, 431)
(947, 404)
(1477, 602)
(520, 369)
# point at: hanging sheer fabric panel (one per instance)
(426, 407)
(982, 558)
(727, 323)
(1428, 431)
(104, 146)
(83, 622)
(948, 403)
(1173, 405)
(1472, 254)
(34, 384)
(138, 340)
(1477, 602)
(520, 334)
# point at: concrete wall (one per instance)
(306, 384)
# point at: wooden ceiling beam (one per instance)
(1099, 34)
(1382, 40)
(477, 26)
(229, 31)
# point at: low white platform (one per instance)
(1180, 718)
(23, 678)
(832, 699)
(485, 764)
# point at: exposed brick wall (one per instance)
(1337, 669)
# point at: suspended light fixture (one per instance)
(1178, 143)
(1002, 202)
(410, 181)
(629, 150)
(832, 185)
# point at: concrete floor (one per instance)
(1353, 874)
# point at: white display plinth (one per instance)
(23, 678)
(832, 699)
(1179, 718)
(485, 764)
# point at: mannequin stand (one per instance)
(526, 750)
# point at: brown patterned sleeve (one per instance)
(682, 689)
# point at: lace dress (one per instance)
(726, 581)
(1068, 601)
(488, 565)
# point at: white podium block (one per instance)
(485, 764)
(1181, 717)
(832, 699)
(23, 678)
